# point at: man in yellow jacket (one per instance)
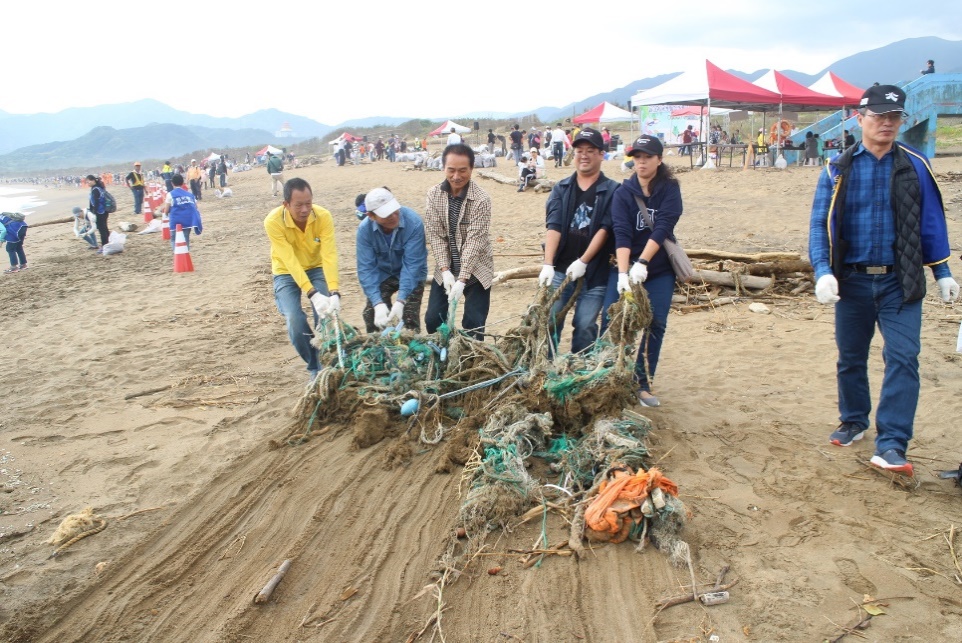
(303, 260)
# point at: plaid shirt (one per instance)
(472, 236)
(868, 224)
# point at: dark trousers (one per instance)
(412, 306)
(476, 302)
(195, 189)
(138, 193)
(102, 228)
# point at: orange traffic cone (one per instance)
(165, 230)
(182, 262)
(148, 211)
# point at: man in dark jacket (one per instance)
(579, 243)
(877, 221)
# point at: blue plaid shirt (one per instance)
(868, 223)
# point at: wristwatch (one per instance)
(643, 262)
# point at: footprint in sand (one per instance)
(853, 578)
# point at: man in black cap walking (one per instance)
(877, 221)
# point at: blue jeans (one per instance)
(476, 303)
(558, 152)
(15, 252)
(660, 288)
(91, 239)
(138, 198)
(223, 180)
(584, 321)
(287, 296)
(867, 300)
(173, 237)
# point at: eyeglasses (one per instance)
(887, 117)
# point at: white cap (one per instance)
(381, 202)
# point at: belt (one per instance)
(870, 270)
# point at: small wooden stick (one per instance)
(688, 598)
(721, 577)
(264, 595)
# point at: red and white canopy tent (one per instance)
(832, 85)
(268, 148)
(445, 128)
(605, 113)
(796, 97)
(708, 87)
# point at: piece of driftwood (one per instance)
(704, 253)
(63, 220)
(495, 176)
(768, 268)
(264, 595)
(690, 597)
(727, 279)
(516, 273)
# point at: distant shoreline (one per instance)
(51, 203)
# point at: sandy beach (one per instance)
(158, 399)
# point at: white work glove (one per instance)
(546, 276)
(447, 280)
(623, 285)
(948, 289)
(457, 290)
(397, 312)
(321, 304)
(576, 270)
(638, 273)
(382, 316)
(826, 289)
(334, 304)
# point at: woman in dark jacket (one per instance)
(638, 243)
(98, 205)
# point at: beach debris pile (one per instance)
(531, 426)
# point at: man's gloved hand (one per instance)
(948, 289)
(638, 273)
(576, 270)
(382, 316)
(546, 276)
(321, 304)
(623, 285)
(447, 280)
(457, 290)
(397, 312)
(826, 289)
(334, 305)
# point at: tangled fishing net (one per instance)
(500, 404)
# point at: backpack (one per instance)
(110, 204)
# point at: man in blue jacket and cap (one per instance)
(392, 258)
(877, 222)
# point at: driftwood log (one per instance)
(767, 268)
(264, 595)
(495, 176)
(746, 258)
(727, 279)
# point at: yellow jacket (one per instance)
(294, 252)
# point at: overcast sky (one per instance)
(341, 60)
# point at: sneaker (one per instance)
(11, 270)
(647, 399)
(893, 460)
(846, 434)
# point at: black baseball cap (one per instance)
(647, 145)
(588, 135)
(882, 99)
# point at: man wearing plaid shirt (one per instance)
(877, 222)
(458, 223)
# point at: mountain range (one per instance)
(85, 136)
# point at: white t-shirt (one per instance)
(558, 136)
(454, 138)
